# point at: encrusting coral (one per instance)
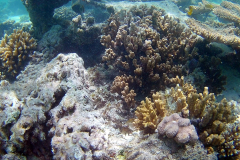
(14, 50)
(144, 43)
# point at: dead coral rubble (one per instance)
(145, 44)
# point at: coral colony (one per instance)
(154, 86)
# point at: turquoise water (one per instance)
(12, 10)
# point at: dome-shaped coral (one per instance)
(178, 128)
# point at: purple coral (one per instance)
(178, 128)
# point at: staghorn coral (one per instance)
(145, 44)
(14, 50)
(228, 11)
(179, 128)
(226, 34)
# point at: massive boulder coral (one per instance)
(146, 44)
(14, 50)
(179, 128)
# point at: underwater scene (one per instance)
(120, 80)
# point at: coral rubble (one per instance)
(14, 50)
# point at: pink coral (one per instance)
(178, 128)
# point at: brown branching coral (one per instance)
(229, 11)
(14, 49)
(231, 145)
(226, 34)
(121, 86)
(151, 112)
(146, 44)
(216, 127)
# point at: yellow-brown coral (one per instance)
(217, 129)
(14, 49)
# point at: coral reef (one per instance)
(228, 11)
(152, 147)
(231, 145)
(145, 44)
(57, 113)
(179, 128)
(213, 117)
(121, 86)
(14, 50)
(226, 34)
(52, 42)
(41, 93)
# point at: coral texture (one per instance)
(213, 117)
(144, 43)
(226, 34)
(229, 11)
(56, 109)
(14, 50)
(179, 128)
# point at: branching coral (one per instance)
(226, 34)
(215, 118)
(14, 49)
(231, 146)
(121, 86)
(145, 44)
(229, 11)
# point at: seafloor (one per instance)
(116, 80)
